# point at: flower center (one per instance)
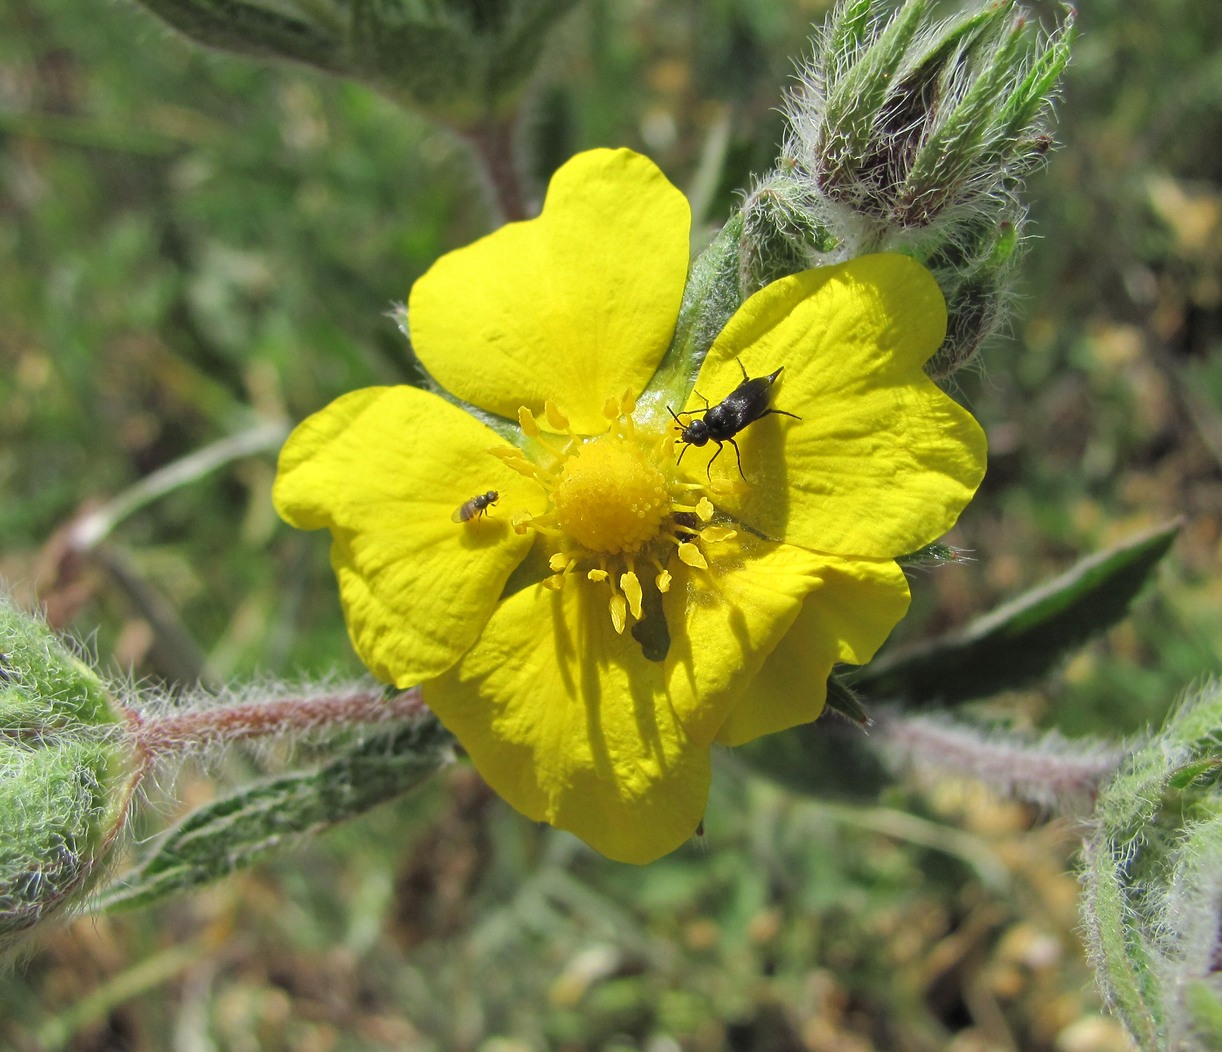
(616, 507)
(612, 496)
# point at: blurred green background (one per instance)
(194, 246)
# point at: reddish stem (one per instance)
(158, 736)
(493, 143)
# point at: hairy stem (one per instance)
(493, 143)
(157, 737)
(1051, 770)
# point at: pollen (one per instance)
(612, 495)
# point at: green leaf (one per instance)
(229, 834)
(829, 758)
(1023, 639)
(459, 61)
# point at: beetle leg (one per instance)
(708, 471)
(739, 458)
(781, 412)
(744, 368)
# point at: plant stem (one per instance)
(493, 143)
(155, 737)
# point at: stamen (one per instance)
(619, 612)
(560, 561)
(556, 419)
(523, 520)
(704, 509)
(717, 534)
(597, 576)
(632, 589)
(691, 555)
(517, 460)
(662, 580)
(527, 422)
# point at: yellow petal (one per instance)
(846, 619)
(724, 622)
(568, 722)
(574, 306)
(881, 461)
(386, 468)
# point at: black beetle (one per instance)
(475, 507)
(744, 405)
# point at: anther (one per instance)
(691, 555)
(555, 419)
(632, 590)
(527, 422)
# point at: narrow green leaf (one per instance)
(256, 30)
(1024, 638)
(234, 832)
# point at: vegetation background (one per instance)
(193, 247)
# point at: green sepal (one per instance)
(843, 699)
(710, 298)
(855, 100)
(1024, 638)
(232, 833)
(781, 234)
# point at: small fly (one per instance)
(747, 403)
(476, 507)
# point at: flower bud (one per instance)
(913, 134)
(1152, 871)
(65, 775)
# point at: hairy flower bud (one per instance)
(913, 134)
(65, 775)
(1152, 871)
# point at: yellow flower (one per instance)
(605, 612)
